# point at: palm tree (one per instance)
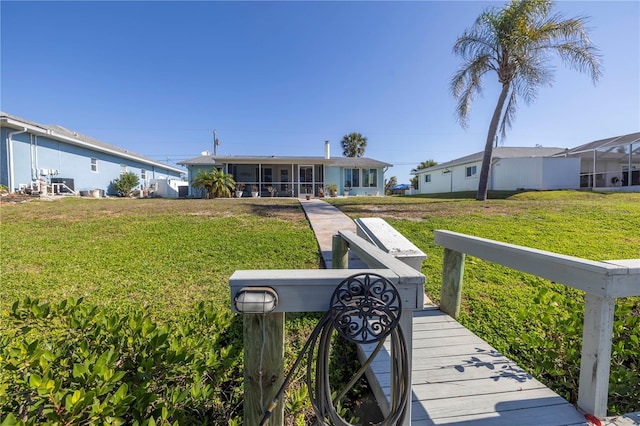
(216, 183)
(516, 42)
(424, 165)
(353, 145)
(393, 181)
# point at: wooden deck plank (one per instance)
(459, 379)
(461, 363)
(489, 403)
(555, 415)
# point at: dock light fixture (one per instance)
(256, 300)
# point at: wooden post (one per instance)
(593, 388)
(451, 290)
(263, 363)
(339, 253)
(406, 324)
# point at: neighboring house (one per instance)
(288, 176)
(606, 163)
(44, 158)
(512, 168)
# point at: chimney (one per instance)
(327, 150)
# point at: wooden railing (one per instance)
(310, 291)
(602, 282)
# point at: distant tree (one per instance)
(424, 165)
(393, 181)
(216, 183)
(353, 145)
(125, 183)
(516, 43)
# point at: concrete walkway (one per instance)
(326, 220)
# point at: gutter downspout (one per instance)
(10, 135)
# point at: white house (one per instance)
(512, 168)
(610, 164)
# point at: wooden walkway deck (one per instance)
(458, 379)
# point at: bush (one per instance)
(125, 183)
(79, 364)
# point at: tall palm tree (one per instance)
(353, 145)
(216, 183)
(516, 42)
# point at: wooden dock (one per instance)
(459, 379)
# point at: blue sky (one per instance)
(280, 78)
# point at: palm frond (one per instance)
(467, 83)
(509, 113)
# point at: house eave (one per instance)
(14, 123)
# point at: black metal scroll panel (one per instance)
(366, 308)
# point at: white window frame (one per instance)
(470, 171)
(369, 172)
(143, 174)
(123, 169)
(427, 178)
(94, 165)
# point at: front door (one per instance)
(305, 183)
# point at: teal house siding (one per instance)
(289, 176)
(33, 154)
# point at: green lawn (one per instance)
(163, 257)
(163, 254)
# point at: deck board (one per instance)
(459, 379)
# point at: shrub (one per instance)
(125, 183)
(74, 363)
(551, 348)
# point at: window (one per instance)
(143, 174)
(94, 165)
(123, 169)
(471, 171)
(370, 178)
(351, 178)
(427, 178)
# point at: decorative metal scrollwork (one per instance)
(366, 308)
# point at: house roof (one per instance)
(604, 144)
(58, 132)
(498, 152)
(209, 160)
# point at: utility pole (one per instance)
(216, 142)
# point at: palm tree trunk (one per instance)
(488, 147)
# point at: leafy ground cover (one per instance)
(153, 275)
(117, 311)
(537, 323)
